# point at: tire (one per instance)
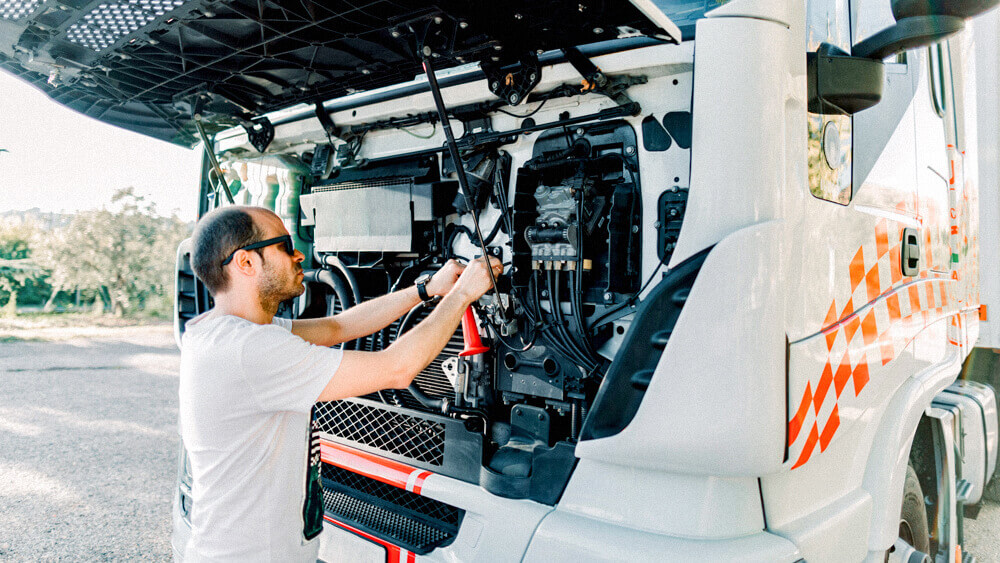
(913, 515)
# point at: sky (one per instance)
(60, 160)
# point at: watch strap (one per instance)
(422, 291)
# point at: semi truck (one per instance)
(750, 303)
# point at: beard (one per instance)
(279, 285)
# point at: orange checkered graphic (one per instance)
(882, 314)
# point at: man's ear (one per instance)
(244, 262)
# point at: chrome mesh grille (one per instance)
(390, 431)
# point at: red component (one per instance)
(470, 334)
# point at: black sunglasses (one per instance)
(287, 240)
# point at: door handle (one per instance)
(910, 253)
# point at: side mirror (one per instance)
(840, 84)
(920, 23)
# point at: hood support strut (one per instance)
(463, 181)
(209, 150)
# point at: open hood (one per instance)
(151, 65)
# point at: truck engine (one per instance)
(564, 220)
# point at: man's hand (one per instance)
(445, 278)
(474, 280)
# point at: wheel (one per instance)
(913, 516)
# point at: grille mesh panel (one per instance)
(394, 527)
(380, 183)
(439, 512)
(408, 436)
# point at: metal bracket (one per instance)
(326, 121)
(260, 133)
(594, 80)
(513, 85)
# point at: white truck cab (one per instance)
(750, 250)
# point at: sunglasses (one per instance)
(286, 240)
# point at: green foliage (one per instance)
(20, 277)
(123, 254)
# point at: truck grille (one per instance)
(390, 431)
(398, 516)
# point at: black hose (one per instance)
(579, 354)
(340, 290)
(576, 301)
(332, 260)
(554, 337)
(418, 394)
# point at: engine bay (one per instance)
(565, 223)
(552, 189)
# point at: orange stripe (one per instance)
(857, 269)
(843, 374)
(860, 378)
(886, 347)
(929, 291)
(894, 261)
(822, 387)
(914, 292)
(807, 449)
(893, 303)
(868, 329)
(385, 470)
(881, 238)
(830, 429)
(852, 327)
(419, 484)
(848, 309)
(795, 424)
(872, 283)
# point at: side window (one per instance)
(884, 172)
(829, 136)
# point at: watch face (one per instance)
(423, 278)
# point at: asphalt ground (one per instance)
(88, 446)
(88, 449)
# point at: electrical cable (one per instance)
(411, 133)
(555, 337)
(554, 301)
(529, 114)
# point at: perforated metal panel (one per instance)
(394, 432)
(17, 9)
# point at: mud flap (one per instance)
(312, 505)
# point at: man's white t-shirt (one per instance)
(246, 391)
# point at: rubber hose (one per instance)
(331, 260)
(339, 287)
(418, 394)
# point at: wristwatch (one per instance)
(421, 283)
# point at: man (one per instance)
(248, 381)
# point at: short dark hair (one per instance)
(217, 235)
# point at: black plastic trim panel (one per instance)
(624, 386)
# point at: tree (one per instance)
(124, 253)
(18, 273)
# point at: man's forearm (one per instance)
(374, 315)
(360, 320)
(417, 348)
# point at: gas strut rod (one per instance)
(211, 157)
(463, 182)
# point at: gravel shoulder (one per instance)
(88, 443)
